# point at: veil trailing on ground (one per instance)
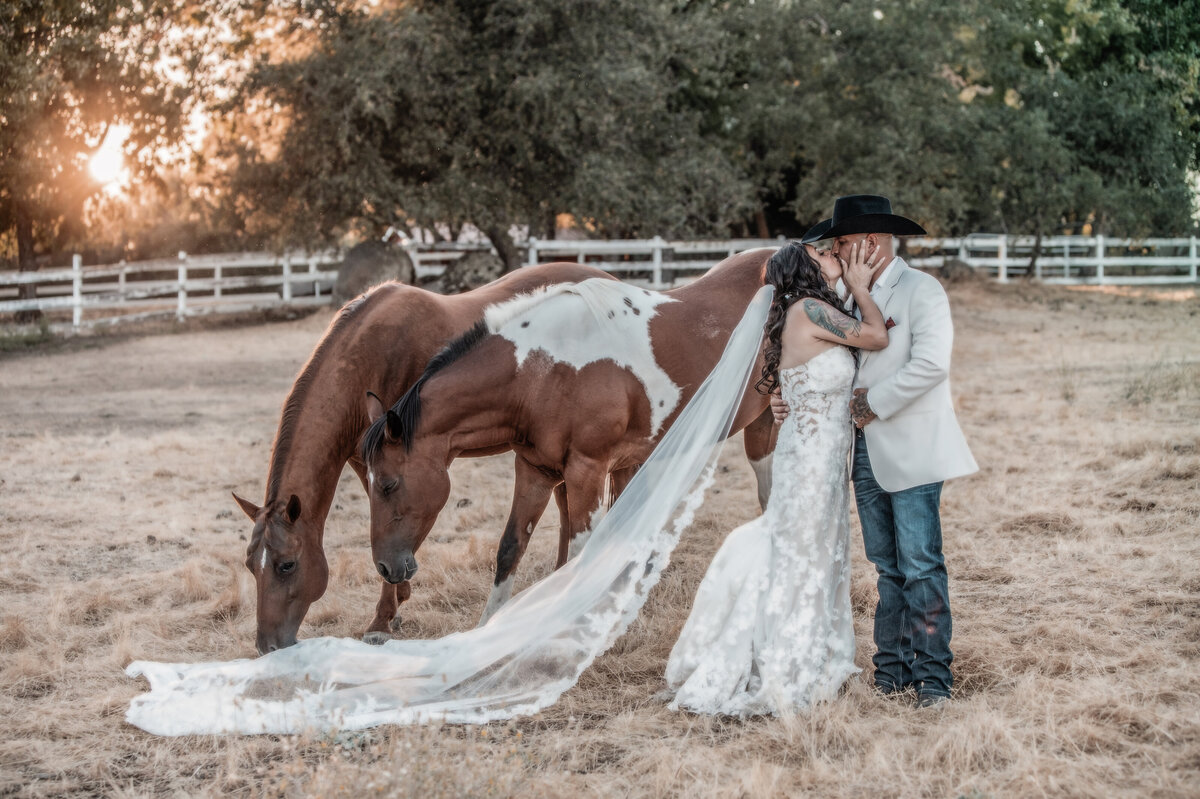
(530, 652)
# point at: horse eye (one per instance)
(389, 487)
(286, 568)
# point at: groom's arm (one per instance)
(929, 359)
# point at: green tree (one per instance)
(874, 102)
(1088, 120)
(494, 113)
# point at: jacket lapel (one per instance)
(882, 296)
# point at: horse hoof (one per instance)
(376, 639)
(395, 625)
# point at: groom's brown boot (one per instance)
(893, 691)
(932, 701)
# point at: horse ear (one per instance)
(293, 509)
(248, 507)
(393, 425)
(374, 406)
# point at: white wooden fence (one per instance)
(185, 286)
(661, 263)
(1068, 260)
(1075, 260)
(191, 285)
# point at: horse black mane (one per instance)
(408, 408)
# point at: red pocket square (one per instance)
(889, 324)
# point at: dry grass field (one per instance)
(1073, 559)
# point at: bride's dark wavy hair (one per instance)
(796, 276)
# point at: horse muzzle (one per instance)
(400, 569)
(266, 644)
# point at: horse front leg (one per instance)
(584, 479)
(531, 494)
(618, 480)
(386, 621)
(759, 441)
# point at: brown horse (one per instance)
(576, 400)
(382, 339)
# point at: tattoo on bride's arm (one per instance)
(836, 323)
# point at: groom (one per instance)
(906, 444)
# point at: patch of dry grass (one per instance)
(1071, 555)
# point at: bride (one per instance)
(771, 630)
(771, 627)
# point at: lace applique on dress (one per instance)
(771, 629)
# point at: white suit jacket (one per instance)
(916, 438)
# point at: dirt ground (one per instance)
(1072, 559)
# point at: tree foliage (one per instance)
(69, 71)
(494, 113)
(330, 118)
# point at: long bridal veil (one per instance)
(530, 652)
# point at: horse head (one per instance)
(288, 565)
(408, 482)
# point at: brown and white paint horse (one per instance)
(574, 403)
(382, 341)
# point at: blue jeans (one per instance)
(902, 534)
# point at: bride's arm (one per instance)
(831, 324)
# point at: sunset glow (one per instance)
(107, 165)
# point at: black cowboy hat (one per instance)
(817, 232)
(862, 213)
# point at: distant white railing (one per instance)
(1067, 260)
(1073, 260)
(184, 286)
(655, 258)
(191, 285)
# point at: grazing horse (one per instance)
(382, 339)
(580, 381)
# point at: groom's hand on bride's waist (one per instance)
(860, 409)
(779, 408)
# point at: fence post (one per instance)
(1002, 258)
(121, 280)
(1192, 255)
(963, 252)
(76, 290)
(1099, 257)
(181, 306)
(287, 277)
(658, 243)
(217, 280)
(533, 257)
(312, 270)
(1067, 259)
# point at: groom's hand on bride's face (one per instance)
(779, 408)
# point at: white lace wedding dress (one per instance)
(771, 629)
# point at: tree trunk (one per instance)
(760, 221)
(1037, 250)
(26, 263)
(505, 248)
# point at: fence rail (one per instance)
(1066, 260)
(191, 285)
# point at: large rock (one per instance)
(369, 264)
(955, 271)
(471, 271)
